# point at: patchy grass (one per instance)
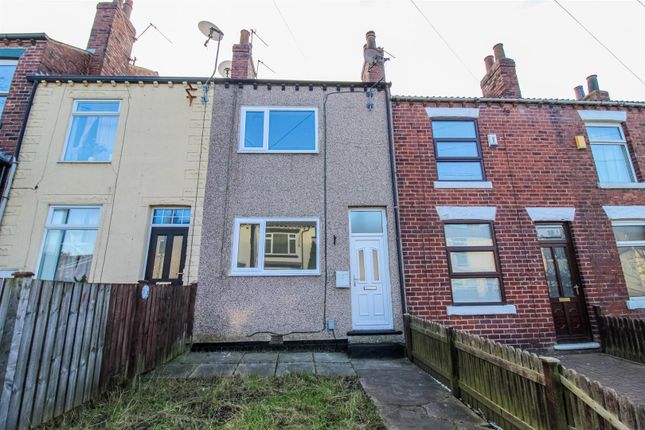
(290, 402)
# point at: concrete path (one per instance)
(626, 377)
(406, 397)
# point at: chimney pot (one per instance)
(244, 37)
(592, 83)
(580, 92)
(370, 36)
(127, 8)
(488, 62)
(498, 50)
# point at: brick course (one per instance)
(536, 165)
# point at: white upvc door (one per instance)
(370, 280)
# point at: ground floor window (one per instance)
(275, 246)
(473, 263)
(630, 240)
(68, 247)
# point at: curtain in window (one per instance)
(92, 138)
(611, 163)
(632, 259)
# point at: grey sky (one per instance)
(552, 52)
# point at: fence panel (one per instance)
(517, 389)
(622, 336)
(61, 344)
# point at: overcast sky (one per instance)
(323, 39)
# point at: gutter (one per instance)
(395, 197)
(517, 101)
(16, 153)
(22, 36)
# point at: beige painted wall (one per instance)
(156, 162)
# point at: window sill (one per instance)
(274, 273)
(264, 151)
(483, 185)
(84, 162)
(482, 310)
(636, 303)
(622, 185)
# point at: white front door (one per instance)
(370, 276)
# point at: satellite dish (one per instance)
(224, 68)
(210, 30)
(372, 55)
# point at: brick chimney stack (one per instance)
(500, 80)
(111, 38)
(593, 90)
(243, 67)
(374, 64)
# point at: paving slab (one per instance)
(295, 357)
(335, 369)
(213, 370)
(624, 376)
(260, 357)
(255, 369)
(302, 368)
(367, 364)
(330, 357)
(408, 398)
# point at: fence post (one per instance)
(554, 391)
(601, 327)
(407, 332)
(454, 363)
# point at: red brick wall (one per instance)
(112, 37)
(536, 164)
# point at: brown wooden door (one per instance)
(167, 255)
(565, 289)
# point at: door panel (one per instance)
(566, 294)
(167, 255)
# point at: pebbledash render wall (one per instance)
(358, 174)
(536, 164)
(159, 158)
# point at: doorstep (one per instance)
(579, 346)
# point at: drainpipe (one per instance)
(395, 196)
(16, 153)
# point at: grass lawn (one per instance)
(290, 402)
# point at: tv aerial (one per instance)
(224, 68)
(212, 32)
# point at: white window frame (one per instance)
(266, 125)
(260, 271)
(622, 142)
(49, 226)
(6, 62)
(290, 237)
(71, 122)
(636, 302)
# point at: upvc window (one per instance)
(92, 131)
(630, 240)
(171, 216)
(610, 153)
(68, 248)
(7, 70)
(278, 129)
(290, 246)
(473, 263)
(457, 150)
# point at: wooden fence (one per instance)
(622, 336)
(61, 344)
(514, 388)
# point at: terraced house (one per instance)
(518, 216)
(101, 192)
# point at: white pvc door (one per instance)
(371, 297)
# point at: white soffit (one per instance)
(485, 213)
(551, 214)
(453, 112)
(625, 212)
(603, 115)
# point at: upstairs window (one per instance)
(7, 70)
(610, 154)
(475, 277)
(92, 131)
(288, 129)
(457, 150)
